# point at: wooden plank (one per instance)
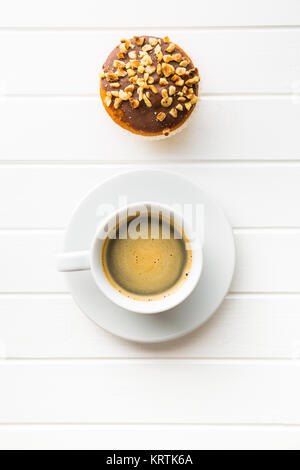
(163, 437)
(90, 13)
(68, 63)
(222, 128)
(163, 391)
(267, 261)
(38, 197)
(245, 326)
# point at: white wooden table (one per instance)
(235, 383)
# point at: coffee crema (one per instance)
(150, 266)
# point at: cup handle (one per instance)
(73, 261)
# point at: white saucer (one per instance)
(218, 253)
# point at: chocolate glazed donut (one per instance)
(149, 85)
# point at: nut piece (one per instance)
(147, 101)
(171, 47)
(161, 116)
(123, 95)
(101, 74)
(167, 58)
(188, 105)
(179, 107)
(107, 99)
(132, 54)
(150, 69)
(141, 69)
(153, 41)
(147, 48)
(153, 89)
(117, 102)
(174, 112)
(166, 102)
(146, 60)
(172, 90)
(138, 40)
(181, 71)
(111, 76)
(166, 39)
(130, 73)
(192, 81)
(177, 57)
(183, 63)
(115, 84)
(163, 81)
(179, 82)
(167, 69)
(129, 89)
(134, 103)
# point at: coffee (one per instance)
(149, 262)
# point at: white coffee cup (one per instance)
(91, 260)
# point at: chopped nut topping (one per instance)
(107, 99)
(135, 63)
(179, 107)
(172, 90)
(181, 71)
(175, 77)
(194, 99)
(188, 105)
(164, 93)
(141, 69)
(134, 79)
(177, 57)
(167, 69)
(179, 82)
(117, 102)
(166, 102)
(167, 39)
(129, 89)
(166, 132)
(153, 89)
(115, 93)
(167, 58)
(153, 41)
(132, 55)
(161, 116)
(101, 74)
(192, 81)
(147, 48)
(163, 81)
(146, 60)
(157, 50)
(171, 47)
(123, 95)
(147, 101)
(140, 93)
(158, 69)
(123, 48)
(111, 76)
(131, 73)
(150, 69)
(174, 112)
(182, 99)
(119, 64)
(183, 63)
(150, 80)
(126, 43)
(134, 103)
(115, 84)
(139, 41)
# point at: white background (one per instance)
(235, 383)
